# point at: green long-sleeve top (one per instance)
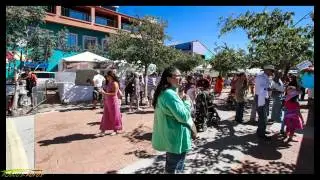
(171, 120)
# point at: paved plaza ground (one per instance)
(65, 143)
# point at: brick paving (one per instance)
(65, 143)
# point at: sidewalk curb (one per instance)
(17, 155)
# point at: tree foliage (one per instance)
(143, 45)
(186, 62)
(229, 59)
(273, 38)
(23, 24)
(19, 19)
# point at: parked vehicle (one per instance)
(46, 79)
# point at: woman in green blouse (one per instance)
(172, 121)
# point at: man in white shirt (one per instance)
(98, 80)
(262, 86)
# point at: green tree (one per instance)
(22, 25)
(143, 46)
(19, 19)
(187, 62)
(273, 38)
(229, 59)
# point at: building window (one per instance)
(75, 14)
(89, 41)
(104, 44)
(104, 21)
(72, 40)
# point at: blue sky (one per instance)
(187, 23)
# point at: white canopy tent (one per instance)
(80, 67)
(206, 70)
(253, 71)
(86, 60)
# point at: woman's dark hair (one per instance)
(113, 75)
(163, 84)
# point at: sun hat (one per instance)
(270, 67)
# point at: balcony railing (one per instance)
(126, 26)
(75, 14)
(105, 21)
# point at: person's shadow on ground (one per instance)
(66, 139)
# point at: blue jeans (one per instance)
(174, 163)
(239, 111)
(262, 120)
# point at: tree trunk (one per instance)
(16, 94)
(286, 69)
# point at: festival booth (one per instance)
(202, 69)
(74, 73)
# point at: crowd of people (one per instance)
(173, 120)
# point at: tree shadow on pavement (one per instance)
(156, 168)
(144, 112)
(75, 109)
(66, 139)
(138, 135)
(273, 167)
(219, 155)
(94, 123)
(140, 154)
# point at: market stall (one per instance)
(74, 73)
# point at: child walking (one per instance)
(292, 118)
